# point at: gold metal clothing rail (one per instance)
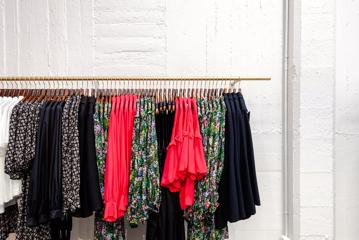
(233, 79)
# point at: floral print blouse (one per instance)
(144, 189)
(24, 122)
(201, 223)
(104, 230)
(70, 154)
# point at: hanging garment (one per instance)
(90, 194)
(185, 162)
(238, 191)
(55, 178)
(104, 230)
(144, 190)
(24, 122)
(21, 132)
(201, 216)
(60, 228)
(45, 198)
(9, 189)
(119, 156)
(169, 222)
(8, 221)
(71, 154)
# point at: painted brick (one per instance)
(318, 53)
(316, 221)
(318, 156)
(136, 44)
(318, 6)
(316, 189)
(2, 37)
(317, 75)
(318, 26)
(103, 5)
(268, 156)
(316, 123)
(269, 214)
(315, 237)
(346, 175)
(127, 30)
(114, 16)
(318, 87)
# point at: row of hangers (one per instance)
(164, 95)
(158, 93)
(164, 98)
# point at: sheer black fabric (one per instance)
(169, 222)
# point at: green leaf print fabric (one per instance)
(104, 230)
(144, 189)
(201, 223)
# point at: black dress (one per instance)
(238, 190)
(38, 200)
(55, 166)
(169, 222)
(90, 195)
(45, 195)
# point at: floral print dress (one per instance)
(23, 129)
(104, 230)
(70, 154)
(201, 216)
(144, 189)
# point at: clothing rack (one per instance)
(232, 79)
(45, 117)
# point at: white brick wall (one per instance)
(159, 37)
(347, 121)
(317, 75)
(213, 37)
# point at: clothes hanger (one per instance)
(211, 90)
(100, 91)
(2, 89)
(87, 88)
(59, 94)
(63, 96)
(93, 89)
(23, 90)
(29, 93)
(174, 92)
(12, 91)
(78, 90)
(106, 93)
(33, 90)
(205, 89)
(216, 91)
(165, 99)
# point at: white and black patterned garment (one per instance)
(20, 153)
(10, 166)
(71, 154)
(8, 221)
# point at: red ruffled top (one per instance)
(185, 162)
